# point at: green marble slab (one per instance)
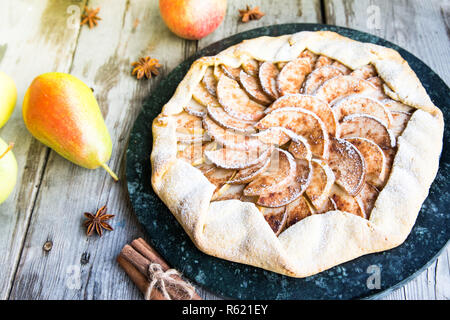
(232, 280)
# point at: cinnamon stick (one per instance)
(135, 261)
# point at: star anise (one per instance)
(145, 66)
(250, 14)
(97, 222)
(90, 17)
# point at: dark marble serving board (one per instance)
(346, 281)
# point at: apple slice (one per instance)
(251, 67)
(236, 159)
(329, 205)
(342, 86)
(293, 74)
(393, 105)
(229, 192)
(275, 217)
(310, 103)
(347, 164)
(362, 105)
(218, 72)
(230, 138)
(253, 87)
(219, 115)
(400, 120)
(292, 191)
(347, 203)
(268, 74)
(230, 72)
(251, 173)
(296, 211)
(194, 108)
(302, 122)
(300, 149)
(318, 76)
(365, 72)
(202, 96)
(374, 159)
(323, 61)
(367, 198)
(280, 173)
(236, 102)
(322, 180)
(209, 81)
(276, 135)
(366, 126)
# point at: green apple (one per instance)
(8, 171)
(8, 97)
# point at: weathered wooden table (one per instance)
(52, 194)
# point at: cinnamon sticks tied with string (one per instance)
(152, 275)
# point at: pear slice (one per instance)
(379, 85)
(292, 191)
(189, 128)
(194, 108)
(251, 67)
(236, 159)
(374, 159)
(361, 105)
(367, 198)
(323, 61)
(219, 115)
(230, 138)
(342, 86)
(229, 192)
(202, 96)
(193, 153)
(322, 180)
(300, 149)
(393, 106)
(276, 135)
(348, 165)
(236, 102)
(296, 211)
(218, 72)
(318, 76)
(329, 205)
(278, 175)
(275, 217)
(268, 74)
(310, 103)
(369, 127)
(311, 56)
(253, 87)
(347, 203)
(251, 173)
(302, 122)
(400, 120)
(230, 72)
(210, 81)
(365, 72)
(342, 67)
(291, 77)
(218, 177)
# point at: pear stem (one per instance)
(113, 175)
(11, 145)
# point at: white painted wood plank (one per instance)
(34, 38)
(420, 27)
(102, 60)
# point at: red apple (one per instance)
(192, 19)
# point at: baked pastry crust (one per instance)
(237, 231)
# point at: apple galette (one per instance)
(297, 153)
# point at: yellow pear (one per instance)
(8, 97)
(8, 170)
